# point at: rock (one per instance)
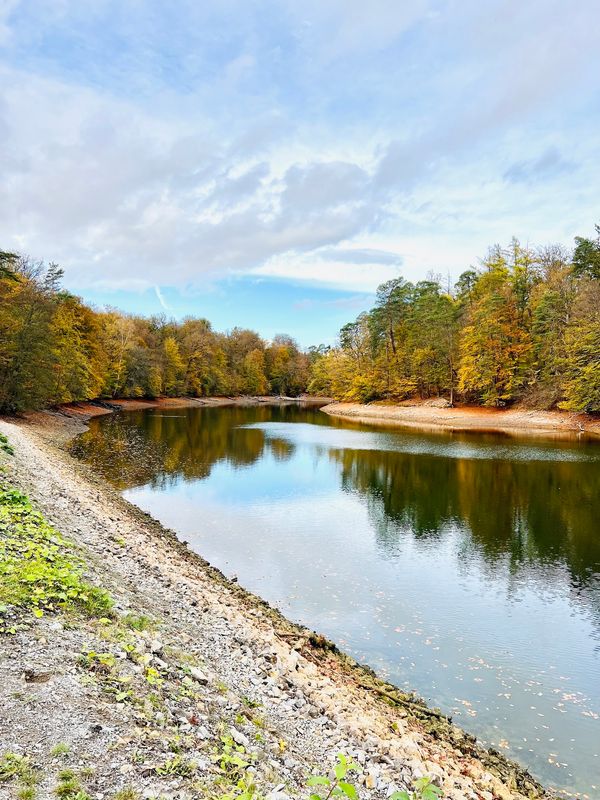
(202, 732)
(156, 646)
(240, 738)
(437, 402)
(199, 676)
(35, 676)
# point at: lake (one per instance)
(463, 566)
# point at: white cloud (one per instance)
(336, 142)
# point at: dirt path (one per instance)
(513, 421)
(289, 700)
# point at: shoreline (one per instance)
(86, 409)
(512, 422)
(360, 706)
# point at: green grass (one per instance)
(5, 446)
(18, 768)
(127, 793)
(39, 570)
(14, 766)
(69, 787)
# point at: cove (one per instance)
(465, 567)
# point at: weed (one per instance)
(5, 446)
(243, 789)
(138, 623)
(424, 789)
(177, 766)
(60, 749)
(87, 772)
(127, 793)
(15, 766)
(38, 569)
(337, 786)
(69, 788)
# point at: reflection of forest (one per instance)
(155, 448)
(534, 515)
(538, 517)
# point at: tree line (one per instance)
(524, 326)
(56, 349)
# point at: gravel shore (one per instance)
(283, 695)
(424, 416)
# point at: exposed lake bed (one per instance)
(462, 567)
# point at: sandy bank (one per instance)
(86, 410)
(513, 421)
(313, 701)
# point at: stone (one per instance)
(199, 676)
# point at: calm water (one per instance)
(465, 567)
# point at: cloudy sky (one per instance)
(269, 163)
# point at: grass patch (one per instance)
(137, 622)
(127, 793)
(18, 768)
(5, 445)
(39, 570)
(69, 787)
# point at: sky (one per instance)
(268, 164)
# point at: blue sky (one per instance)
(270, 163)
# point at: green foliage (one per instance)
(59, 749)
(338, 785)
(178, 766)
(17, 768)
(69, 787)
(586, 258)
(235, 782)
(137, 622)
(14, 766)
(126, 793)
(5, 446)
(39, 570)
(424, 789)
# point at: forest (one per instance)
(56, 349)
(524, 326)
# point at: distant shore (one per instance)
(85, 410)
(517, 421)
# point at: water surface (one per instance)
(464, 566)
